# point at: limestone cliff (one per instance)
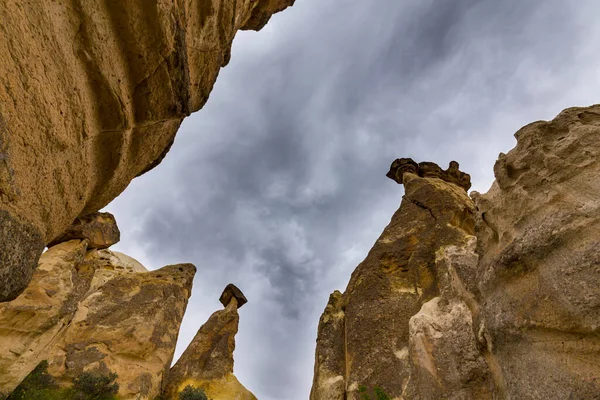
(91, 96)
(207, 363)
(492, 298)
(89, 309)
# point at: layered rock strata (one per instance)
(89, 309)
(207, 363)
(492, 298)
(91, 96)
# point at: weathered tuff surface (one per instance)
(95, 309)
(509, 308)
(91, 96)
(389, 287)
(207, 363)
(539, 259)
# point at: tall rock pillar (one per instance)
(365, 341)
(207, 363)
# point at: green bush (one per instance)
(95, 386)
(38, 385)
(192, 393)
(380, 394)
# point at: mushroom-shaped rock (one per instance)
(100, 229)
(399, 167)
(207, 363)
(231, 291)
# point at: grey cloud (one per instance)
(279, 185)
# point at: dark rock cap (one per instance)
(429, 170)
(230, 292)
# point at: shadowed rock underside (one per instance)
(91, 96)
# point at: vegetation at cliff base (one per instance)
(39, 385)
(96, 385)
(192, 393)
(380, 394)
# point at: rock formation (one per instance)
(88, 309)
(100, 230)
(539, 259)
(207, 363)
(492, 298)
(389, 287)
(91, 96)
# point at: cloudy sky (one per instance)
(278, 185)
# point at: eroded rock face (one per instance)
(508, 306)
(89, 309)
(207, 363)
(91, 96)
(387, 289)
(539, 246)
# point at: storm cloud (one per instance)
(278, 185)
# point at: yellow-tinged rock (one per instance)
(363, 339)
(95, 309)
(497, 299)
(207, 363)
(225, 388)
(91, 96)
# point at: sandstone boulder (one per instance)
(89, 309)
(207, 363)
(91, 96)
(100, 230)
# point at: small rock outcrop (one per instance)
(207, 363)
(99, 229)
(491, 298)
(94, 309)
(91, 96)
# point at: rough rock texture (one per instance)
(496, 299)
(330, 363)
(207, 363)
(444, 350)
(91, 96)
(539, 249)
(87, 309)
(100, 230)
(388, 288)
